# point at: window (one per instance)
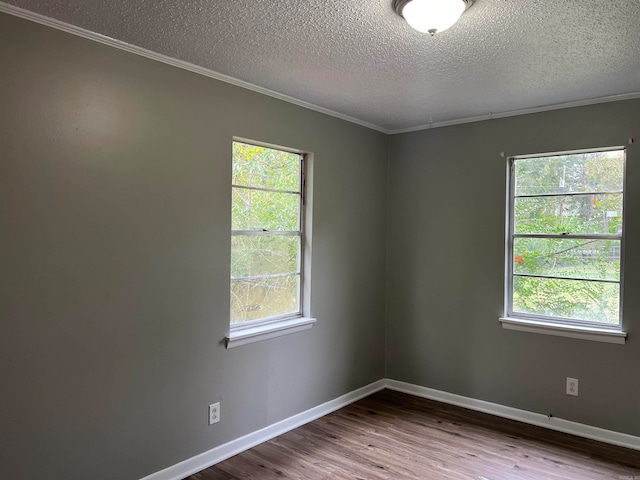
(564, 245)
(267, 237)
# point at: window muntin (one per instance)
(565, 237)
(266, 235)
(586, 259)
(573, 214)
(259, 210)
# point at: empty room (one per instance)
(364, 239)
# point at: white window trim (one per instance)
(571, 331)
(510, 321)
(265, 329)
(256, 333)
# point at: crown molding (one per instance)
(143, 52)
(127, 47)
(515, 113)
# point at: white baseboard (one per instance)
(222, 452)
(553, 423)
(218, 454)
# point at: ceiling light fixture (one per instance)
(431, 16)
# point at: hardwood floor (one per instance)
(390, 435)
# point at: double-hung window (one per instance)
(564, 242)
(267, 237)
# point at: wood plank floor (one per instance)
(390, 435)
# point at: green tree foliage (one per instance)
(592, 206)
(265, 202)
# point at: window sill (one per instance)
(571, 331)
(244, 336)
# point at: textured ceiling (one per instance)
(360, 59)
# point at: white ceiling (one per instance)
(359, 59)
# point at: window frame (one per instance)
(561, 326)
(242, 333)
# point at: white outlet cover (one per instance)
(214, 413)
(572, 386)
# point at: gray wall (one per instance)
(114, 261)
(446, 270)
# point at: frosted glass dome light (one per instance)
(431, 16)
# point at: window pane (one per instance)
(261, 255)
(265, 167)
(592, 259)
(584, 172)
(575, 299)
(595, 214)
(259, 210)
(263, 298)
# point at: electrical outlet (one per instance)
(214, 413)
(572, 386)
